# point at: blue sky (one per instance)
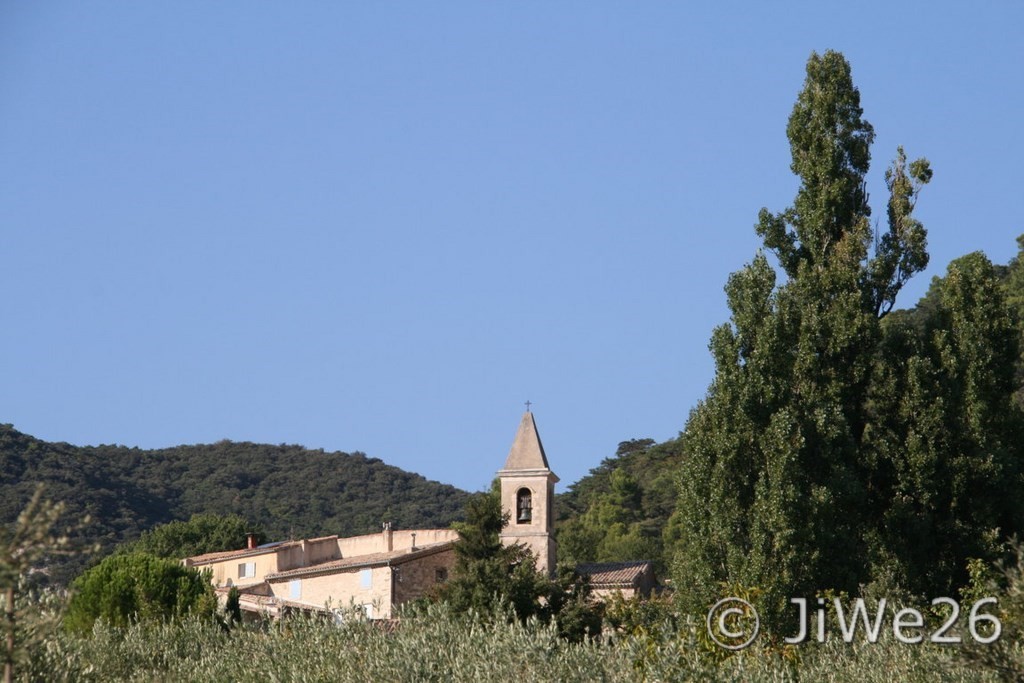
(385, 226)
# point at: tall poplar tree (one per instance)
(775, 487)
(945, 433)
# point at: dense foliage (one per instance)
(491, 578)
(32, 539)
(635, 490)
(946, 434)
(199, 535)
(621, 510)
(129, 587)
(642, 641)
(832, 451)
(285, 491)
(440, 645)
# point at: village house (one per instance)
(374, 572)
(628, 579)
(377, 572)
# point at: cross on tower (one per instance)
(528, 404)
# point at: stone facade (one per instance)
(375, 572)
(528, 496)
(373, 583)
(415, 580)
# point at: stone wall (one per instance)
(415, 579)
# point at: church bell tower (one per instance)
(528, 496)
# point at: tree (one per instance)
(125, 588)
(612, 527)
(23, 546)
(1014, 288)
(946, 432)
(200, 534)
(233, 607)
(489, 576)
(774, 485)
(621, 509)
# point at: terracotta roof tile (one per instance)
(614, 574)
(244, 552)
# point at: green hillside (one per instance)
(621, 510)
(286, 491)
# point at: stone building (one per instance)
(377, 572)
(628, 579)
(373, 573)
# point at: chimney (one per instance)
(250, 541)
(388, 543)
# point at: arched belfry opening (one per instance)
(524, 506)
(528, 495)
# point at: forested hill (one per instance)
(622, 509)
(285, 491)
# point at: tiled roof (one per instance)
(614, 574)
(244, 552)
(393, 557)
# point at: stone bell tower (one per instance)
(528, 496)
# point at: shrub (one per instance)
(125, 588)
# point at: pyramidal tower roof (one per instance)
(527, 451)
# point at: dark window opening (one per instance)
(440, 574)
(524, 506)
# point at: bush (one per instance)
(438, 644)
(123, 589)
